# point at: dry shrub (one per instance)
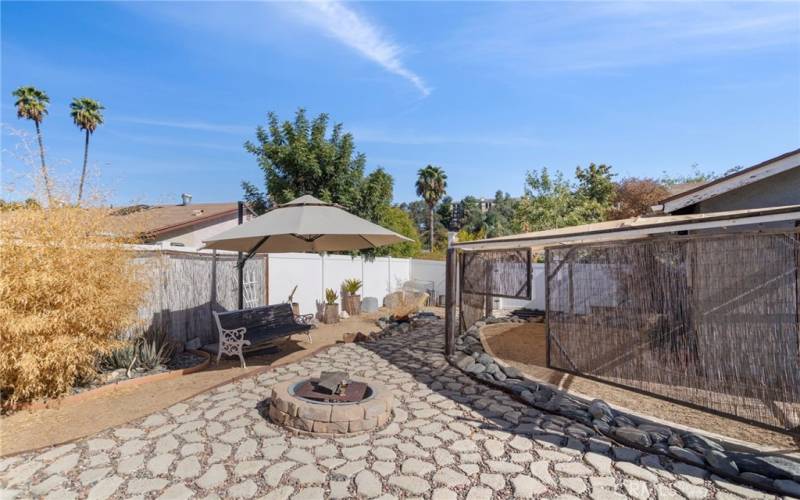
(634, 197)
(67, 289)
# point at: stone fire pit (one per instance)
(334, 415)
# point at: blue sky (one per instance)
(485, 90)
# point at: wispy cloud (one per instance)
(356, 31)
(371, 135)
(617, 35)
(190, 125)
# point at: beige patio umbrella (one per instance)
(304, 225)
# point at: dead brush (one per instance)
(67, 290)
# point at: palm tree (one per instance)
(87, 115)
(431, 185)
(32, 105)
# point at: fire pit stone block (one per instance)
(331, 418)
(331, 427)
(318, 412)
(366, 424)
(346, 413)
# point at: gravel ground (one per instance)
(450, 438)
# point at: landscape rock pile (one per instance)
(772, 473)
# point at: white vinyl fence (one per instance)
(187, 284)
(313, 273)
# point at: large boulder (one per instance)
(403, 303)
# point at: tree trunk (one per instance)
(430, 226)
(83, 172)
(45, 175)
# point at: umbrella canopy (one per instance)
(304, 225)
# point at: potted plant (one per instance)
(331, 307)
(351, 300)
(295, 305)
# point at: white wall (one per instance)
(434, 271)
(195, 238)
(314, 273)
(430, 271)
(537, 292)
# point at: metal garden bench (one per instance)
(248, 330)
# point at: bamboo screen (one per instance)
(185, 288)
(708, 320)
(487, 274)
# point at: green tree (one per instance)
(377, 191)
(418, 211)
(32, 104)
(499, 219)
(301, 157)
(399, 221)
(696, 177)
(551, 202)
(595, 190)
(471, 215)
(445, 212)
(255, 199)
(595, 183)
(87, 115)
(431, 186)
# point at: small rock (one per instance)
(721, 463)
(633, 436)
(601, 411)
(686, 455)
(788, 487)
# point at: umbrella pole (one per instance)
(240, 265)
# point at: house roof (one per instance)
(157, 220)
(636, 227)
(730, 182)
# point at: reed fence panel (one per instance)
(709, 320)
(186, 287)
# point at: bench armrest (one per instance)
(304, 319)
(231, 343)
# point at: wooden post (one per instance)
(266, 279)
(487, 286)
(571, 288)
(241, 261)
(450, 302)
(547, 301)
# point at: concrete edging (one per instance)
(74, 399)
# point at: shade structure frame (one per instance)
(304, 225)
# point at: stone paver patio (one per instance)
(450, 438)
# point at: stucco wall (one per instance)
(777, 190)
(195, 238)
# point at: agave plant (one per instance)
(121, 357)
(330, 296)
(351, 286)
(155, 349)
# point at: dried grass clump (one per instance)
(67, 290)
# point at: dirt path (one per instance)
(33, 429)
(524, 347)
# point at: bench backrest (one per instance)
(257, 318)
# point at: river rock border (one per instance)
(321, 418)
(775, 474)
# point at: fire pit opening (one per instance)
(332, 403)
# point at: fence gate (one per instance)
(709, 320)
(472, 280)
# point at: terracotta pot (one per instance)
(352, 304)
(331, 314)
(296, 308)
